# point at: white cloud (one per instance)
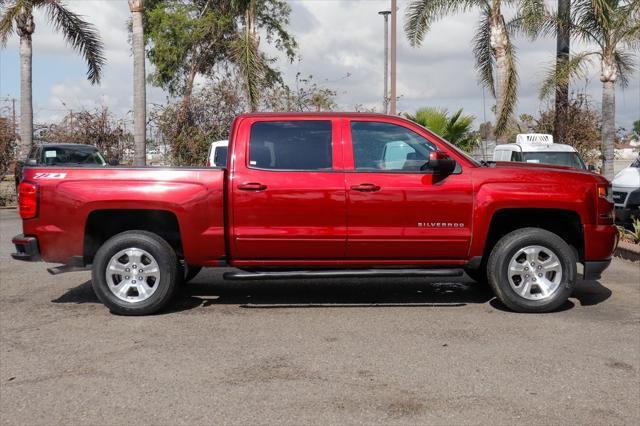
(335, 38)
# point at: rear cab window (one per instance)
(80, 155)
(220, 156)
(297, 145)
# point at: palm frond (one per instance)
(6, 22)
(251, 66)
(483, 52)
(625, 65)
(421, 14)
(531, 15)
(560, 76)
(455, 128)
(81, 35)
(588, 21)
(627, 31)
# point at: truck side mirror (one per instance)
(591, 168)
(114, 162)
(441, 163)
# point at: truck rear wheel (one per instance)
(135, 273)
(532, 270)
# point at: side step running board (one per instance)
(63, 269)
(348, 273)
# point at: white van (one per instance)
(217, 156)
(626, 194)
(539, 148)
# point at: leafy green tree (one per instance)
(613, 28)
(190, 38)
(17, 15)
(454, 128)
(493, 46)
(636, 128)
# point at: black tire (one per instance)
(165, 258)
(187, 272)
(508, 247)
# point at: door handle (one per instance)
(252, 186)
(366, 187)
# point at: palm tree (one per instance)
(493, 48)
(613, 28)
(455, 129)
(246, 53)
(82, 36)
(139, 84)
(563, 47)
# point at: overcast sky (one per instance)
(336, 39)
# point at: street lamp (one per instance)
(394, 22)
(385, 98)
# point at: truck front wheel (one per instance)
(135, 273)
(532, 270)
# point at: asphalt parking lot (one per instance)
(403, 351)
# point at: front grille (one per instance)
(619, 197)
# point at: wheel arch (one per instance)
(103, 224)
(564, 223)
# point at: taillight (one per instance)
(604, 204)
(28, 200)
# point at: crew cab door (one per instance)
(288, 197)
(395, 210)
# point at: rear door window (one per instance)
(291, 145)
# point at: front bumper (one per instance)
(593, 269)
(26, 248)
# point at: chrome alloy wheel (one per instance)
(133, 275)
(535, 273)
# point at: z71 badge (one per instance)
(49, 176)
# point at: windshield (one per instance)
(72, 155)
(569, 159)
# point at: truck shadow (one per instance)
(209, 289)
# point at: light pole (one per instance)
(385, 98)
(394, 28)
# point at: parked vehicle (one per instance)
(217, 156)
(322, 195)
(539, 149)
(53, 154)
(626, 194)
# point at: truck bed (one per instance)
(73, 198)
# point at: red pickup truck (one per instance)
(322, 195)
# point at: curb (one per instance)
(8, 207)
(628, 251)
